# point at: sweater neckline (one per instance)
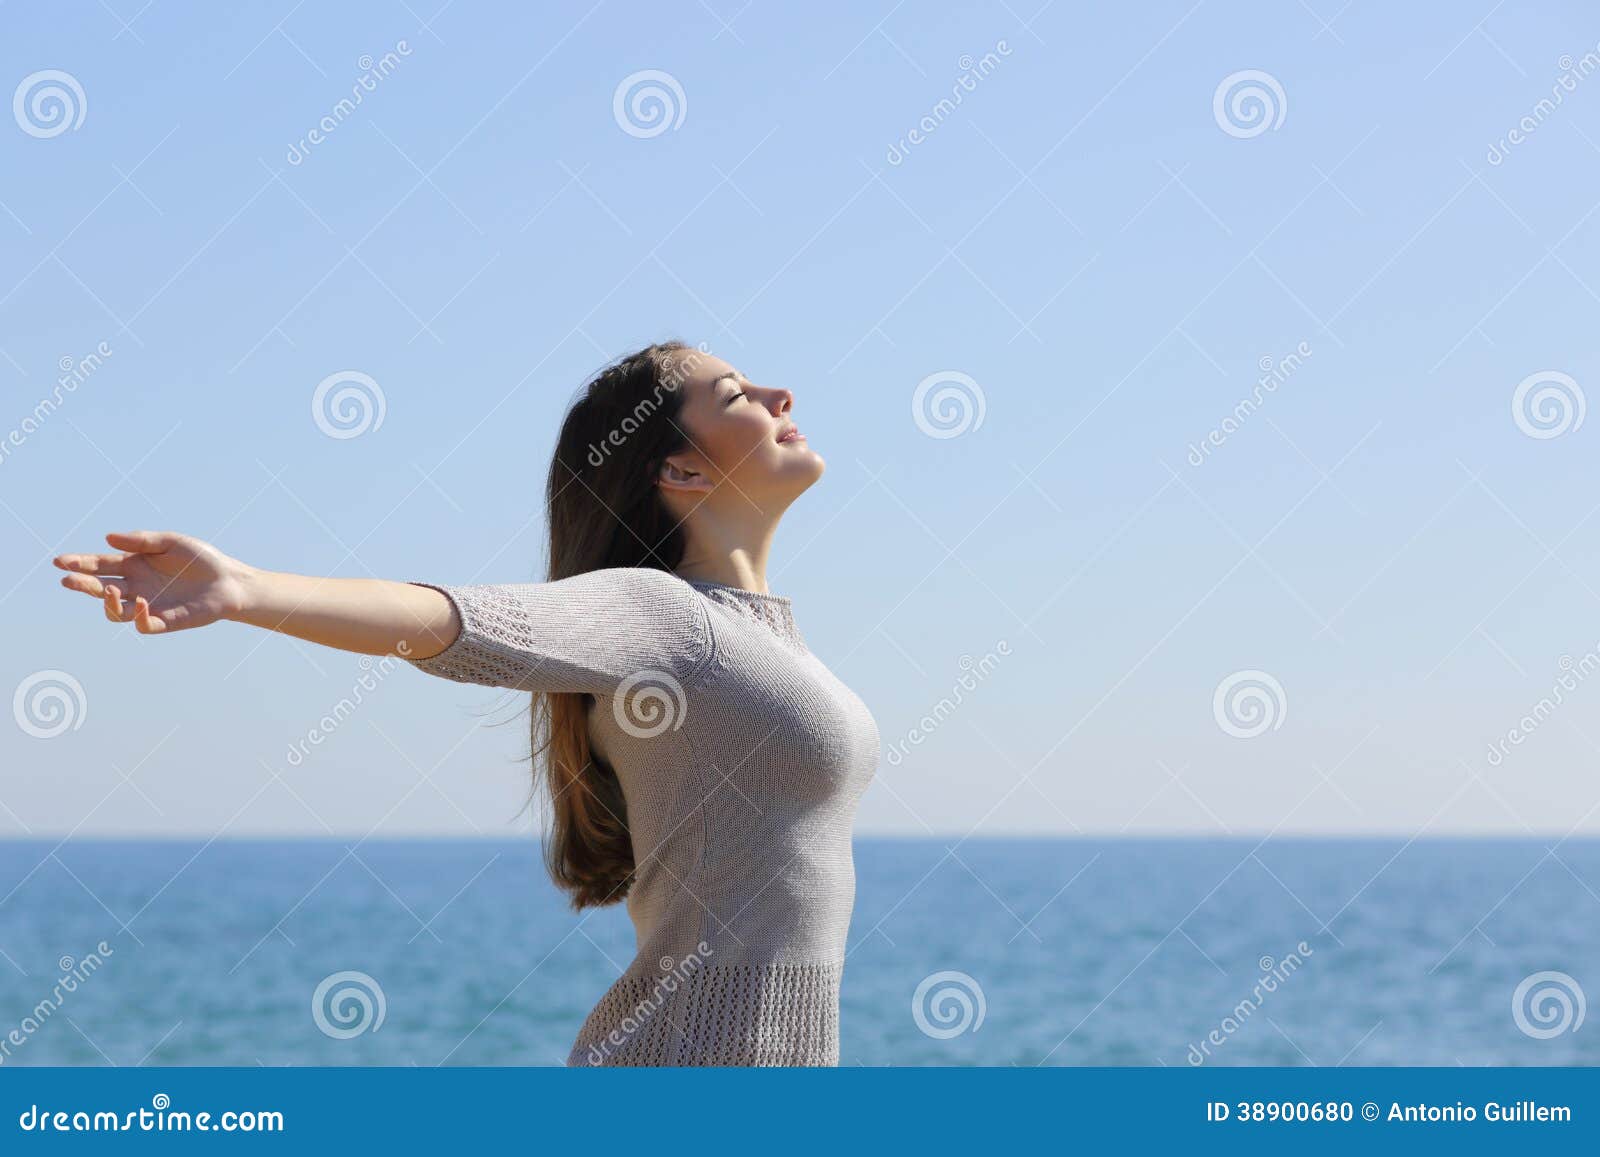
(773, 612)
(740, 592)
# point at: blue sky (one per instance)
(1081, 237)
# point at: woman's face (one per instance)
(739, 433)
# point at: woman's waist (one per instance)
(794, 908)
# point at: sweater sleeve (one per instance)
(589, 633)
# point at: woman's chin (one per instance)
(816, 464)
(786, 478)
(798, 476)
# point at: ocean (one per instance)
(987, 952)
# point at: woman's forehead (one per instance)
(696, 367)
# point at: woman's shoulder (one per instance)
(636, 583)
(652, 616)
(642, 599)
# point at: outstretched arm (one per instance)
(177, 582)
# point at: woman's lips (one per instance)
(792, 434)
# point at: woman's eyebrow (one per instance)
(720, 378)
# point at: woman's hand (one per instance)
(174, 580)
(177, 581)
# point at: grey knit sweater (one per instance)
(742, 759)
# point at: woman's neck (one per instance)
(730, 573)
(726, 552)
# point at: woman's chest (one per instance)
(769, 713)
(761, 717)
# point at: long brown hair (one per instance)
(604, 510)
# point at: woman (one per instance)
(699, 761)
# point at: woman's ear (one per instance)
(677, 474)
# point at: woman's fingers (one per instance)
(116, 610)
(102, 564)
(144, 622)
(82, 582)
(144, 619)
(90, 574)
(129, 545)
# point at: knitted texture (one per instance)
(742, 760)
